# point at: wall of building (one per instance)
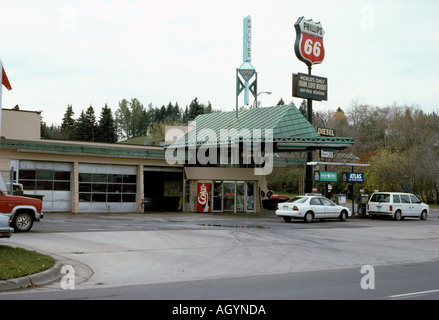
(13, 128)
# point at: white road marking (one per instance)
(405, 295)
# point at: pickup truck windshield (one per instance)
(380, 197)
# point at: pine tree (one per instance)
(90, 123)
(85, 128)
(106, 128)
(195, 109)
(80, 132)
(281, 102)
(123, 120)
(68, 123)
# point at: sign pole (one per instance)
(309, 156)
(309, 49)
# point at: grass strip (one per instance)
(19, 262)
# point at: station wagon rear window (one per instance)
(380, 197)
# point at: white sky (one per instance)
(82, 52)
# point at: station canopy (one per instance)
(291, 131)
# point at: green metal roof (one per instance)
(84, 149)
(291, 130)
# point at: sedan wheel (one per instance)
(343, 216)
(308, 217)
(423, 215)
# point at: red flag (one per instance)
(5, 80)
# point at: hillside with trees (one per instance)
(400, 142)
(130, 120)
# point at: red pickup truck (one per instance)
(22, 211)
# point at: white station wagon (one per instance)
(397, 205)
(311, 207)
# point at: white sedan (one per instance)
(311, 207)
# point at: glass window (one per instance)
(107, 187)
(61, 186)
(115, 178)
(44, 175)
(129, 178)
(315, 202)
(114, 197)
(326, 202)
(240, 200)
(229, 196)
(84, 197)
(380, 197)
(405, 198)
(112, 187)
(84, 177)
(129, 188)
(99, 197)
(298, 199)
(85, 187)
(44, 185)
(97, 177)
(28, 185)
(27, 174)
(42, 179)
(128, 198)
(396, 198)
(414, 199)
(99, 187)
(62, 175)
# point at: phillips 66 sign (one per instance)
(309, 41)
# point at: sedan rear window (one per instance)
(380, 197)
(298, 199)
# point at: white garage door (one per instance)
(50, 179)
(107, 188)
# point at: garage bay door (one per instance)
(49, 179)
(107, 188)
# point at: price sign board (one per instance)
(309, 41)
(310, 87)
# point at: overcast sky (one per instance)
(92, 52)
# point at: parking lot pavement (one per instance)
(128, 249)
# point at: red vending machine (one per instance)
(203, 197)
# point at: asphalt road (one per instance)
(175, 256)
(396, 282)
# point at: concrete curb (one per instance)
(36, 279)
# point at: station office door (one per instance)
(233, 196)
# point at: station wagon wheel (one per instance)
(23, 222)
(308, 217)
(423, 215)
(398, 215)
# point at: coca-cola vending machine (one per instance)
(203, 197)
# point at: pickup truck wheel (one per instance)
(23, 222)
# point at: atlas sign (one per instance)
(309, 41)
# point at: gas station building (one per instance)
(76, 176)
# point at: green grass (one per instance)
(18, 262)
